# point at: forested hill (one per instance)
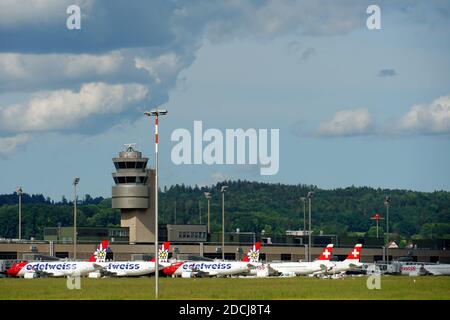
(252, 206)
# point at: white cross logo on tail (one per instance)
(326, 253)
(355, 253)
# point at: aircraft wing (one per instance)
(98, 267)
(324, 267)
(273, 270)
(43, 274)
(202, 273)
(105, 272)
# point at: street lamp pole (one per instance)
(223, 190)
(303, 200)
(175, 212)
(76, 180)
(19, 193)
(208, 197)
(200, 210)
(310, 195)
(156, 113)
(387, 203)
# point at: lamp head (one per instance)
(224, 189)
(387, 201)
(156, 112)
(19, 190)
(76, 180)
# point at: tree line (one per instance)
(252, 207)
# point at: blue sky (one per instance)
(354, 106)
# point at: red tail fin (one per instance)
(355, 254)
(99, 254)
(253, 254)
(327, 252)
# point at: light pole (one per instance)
(76, 180)
(377, 217)
(303, 200)
(19, 193)
(309, 196)
(175, 212)
(223, 190)
(156, 113)
(387, 203)
(208, 197)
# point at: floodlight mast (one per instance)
(76, 180)
(309, 196)
(223, 190)
(208, 197)
(387, 203)
(156, 113)
(19, 193)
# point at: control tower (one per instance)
(133, 194)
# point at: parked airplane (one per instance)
(350, 263)
(438, 269)
(129, 268)
(57, 268)
(189, 269)
(423, 268)
(304, 268)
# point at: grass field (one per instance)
(392, 287)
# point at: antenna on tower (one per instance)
(129, 146)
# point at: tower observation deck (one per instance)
(133, 194)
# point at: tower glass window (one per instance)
(131, 179)
(130, 164)
(120, 165)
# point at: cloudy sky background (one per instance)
(354, 106)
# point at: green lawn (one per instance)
(392, 287)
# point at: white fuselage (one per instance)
(130, 268)
(412, 268)
(212, 268)
(259, 269)
(58, 269)
(438, 269)
(300, 268)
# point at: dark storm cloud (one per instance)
(105, 25)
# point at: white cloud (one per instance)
(347, 123)
(78, 65)
(64, 109)
(26, 69)
(162, 67)
(433, 118)
(10, 144)
(219, 177)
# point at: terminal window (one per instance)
(285, 257)
(8, 255)
(62, 255)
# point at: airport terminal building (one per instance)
(133, 240)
